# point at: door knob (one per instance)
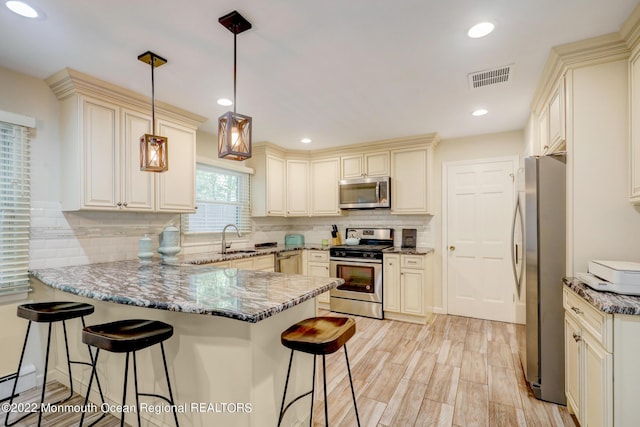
(452, 248)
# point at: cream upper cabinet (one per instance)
(176, 188)
(368, 164)
(325, 175)
(275, 186)
(411, 181)
(268, 196)
(297, 187)
(139, 187)
(551, 121)
(634, 146)
(100, 130)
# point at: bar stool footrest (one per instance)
(291, 403)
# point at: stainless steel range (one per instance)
(360, 266)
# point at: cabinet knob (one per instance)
(577, 337)
(119, 204)
(576, 310)
(452, 248)
(125, 204)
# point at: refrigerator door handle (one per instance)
(517, 213)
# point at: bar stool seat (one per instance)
(318, 336)
(129, 336)
(51, 312)
(54, 311)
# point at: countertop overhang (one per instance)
(245, 295)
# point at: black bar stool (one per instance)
(318, 336)
(129, 336)
(50, 312)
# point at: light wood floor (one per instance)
(455, 371)
(55, 392)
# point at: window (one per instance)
(222, 197)
(14, 205)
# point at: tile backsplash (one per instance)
(60, 239)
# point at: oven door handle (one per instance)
(355, 262)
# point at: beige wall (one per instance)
(452, 150)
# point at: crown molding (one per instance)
(583, 53)
(68, 82)
(630, 30)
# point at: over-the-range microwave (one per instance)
(365, 193)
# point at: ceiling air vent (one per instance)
(491, 77)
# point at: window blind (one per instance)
(15, 208)
(222, 197)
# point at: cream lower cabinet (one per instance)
(602, 375)
(262, 263)
(318, 265)
(407, 287)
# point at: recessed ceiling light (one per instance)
(225, 102)
(479, 112)
(480, 30)
(305, 140)
(22, 9)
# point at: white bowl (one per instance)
(352, 241)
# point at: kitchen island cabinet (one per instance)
(601, 343)
(226, 345)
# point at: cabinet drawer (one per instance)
(263, 262)
(599, 324)
(319, 256)
(412, 261)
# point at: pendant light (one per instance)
(154, 153)
(234, 130)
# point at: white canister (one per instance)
(169, 244)
(145, 250)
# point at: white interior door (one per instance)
(479, 208)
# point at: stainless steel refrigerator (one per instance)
(545, 253)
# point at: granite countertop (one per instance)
(607, 302)
(409, 251)
(211, 257)
(245, 295)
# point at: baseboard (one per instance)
(27, 381)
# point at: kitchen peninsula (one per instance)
(226, 362)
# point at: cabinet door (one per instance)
(275, 177)
(634, 170)
(572, 363)
(410, 181)
(320, 269)
(297, 188)
(176, 188)
(376, 164)
(412, 292)
(391, 280)
(557, 118)
(352, 166)
(244, 264)
(598, 384)
(138, 190)
(543, 131)
(101, 143)
(325, 175)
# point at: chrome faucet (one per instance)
(224, 240)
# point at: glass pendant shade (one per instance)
(154, 153)
(234, 136)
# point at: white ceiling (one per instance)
(336, 71)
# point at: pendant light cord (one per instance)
(153, 96)
(235, 35)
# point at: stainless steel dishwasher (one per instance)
(289, 262)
